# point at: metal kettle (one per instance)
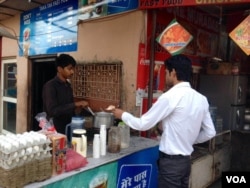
(103, 118)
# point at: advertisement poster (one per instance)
(100, 8)
(205, 26)
(241, 35)
(142, 68)
(136, 170)
(104, 176)
(142, 74)
(50, 28)
(118, 6)
(174, 38)
(90, 9)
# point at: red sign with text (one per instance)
(147, 4)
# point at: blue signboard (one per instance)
(50, 28)
(101, 8)
(136, 170)
(118, 6)
(135, 175)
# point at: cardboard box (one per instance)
(59, 146)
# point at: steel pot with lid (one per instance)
(105, 118)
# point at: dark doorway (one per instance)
(42, 69)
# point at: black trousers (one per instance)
(174, 171)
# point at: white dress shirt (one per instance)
(185, 119)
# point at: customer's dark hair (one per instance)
(64, 60)
(182, 66)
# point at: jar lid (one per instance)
(103, 126)
(77, 120)
(79, 131)
(96, 135)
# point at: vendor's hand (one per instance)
(118, 113)
(81, 104)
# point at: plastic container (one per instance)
(96, 146)
(76, 123)
(114, 140)
(79, 141)
(103, 139)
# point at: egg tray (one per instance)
(19, 161)
(36, 170)
(13, 152)
(20, 157)
(13, 149)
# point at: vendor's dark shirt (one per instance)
(58, 103)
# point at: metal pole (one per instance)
(152, 63)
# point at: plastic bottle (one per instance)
(103, 139)
(96, 146)
(84, 144)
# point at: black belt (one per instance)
(164, 155)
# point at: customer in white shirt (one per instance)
(185, 121)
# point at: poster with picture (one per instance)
(240, 35)
(174, 38)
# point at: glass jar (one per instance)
(114, 140)
(125, 134)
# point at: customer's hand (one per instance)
(118, 113)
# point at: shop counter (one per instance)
(135, 166)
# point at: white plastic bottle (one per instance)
(96, 146)
(103, 139)
(84, 144)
